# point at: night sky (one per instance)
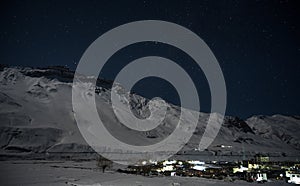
(257, 44)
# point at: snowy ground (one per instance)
(86, 173)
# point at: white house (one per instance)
(294, 178)
(199, 167)
(240, 169)
(261, 177)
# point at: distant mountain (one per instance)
(37, 120)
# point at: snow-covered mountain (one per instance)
(37, 119)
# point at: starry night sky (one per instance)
(257, 44)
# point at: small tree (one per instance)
(104, 163)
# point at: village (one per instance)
(259, 169)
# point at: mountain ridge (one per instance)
(36, 103)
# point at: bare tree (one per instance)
(103, 163)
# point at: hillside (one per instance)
(37, 120)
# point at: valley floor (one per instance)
(64, 173)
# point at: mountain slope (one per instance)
(37, 118)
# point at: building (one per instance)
(260, 158)
(294, 178)
(261, 177)
(240, 169)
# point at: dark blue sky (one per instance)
(255, 42)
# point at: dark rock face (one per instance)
(235, 122)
